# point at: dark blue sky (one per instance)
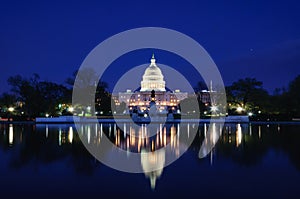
(258, 39)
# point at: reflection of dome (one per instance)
(153, 164)
(153, 78)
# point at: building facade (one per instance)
(152, 79)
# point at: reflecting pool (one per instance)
(244, 160)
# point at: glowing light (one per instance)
(47, 115)
(71, 109)
(214, 108)
(238, 135)
(70, 136)
(11, 135)
(239, 109)
(250, 114)
(259, 112)
(145, 115)
(59, 137)
(89, 134)
(11, 109)
(47, 131)
(88, 108)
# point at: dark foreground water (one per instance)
(50, 161)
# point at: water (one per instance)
(257, 160)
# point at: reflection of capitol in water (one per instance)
(153, 164)
(137, 139)
(133, 139)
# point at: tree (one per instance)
(103, 99)
(248, 94)
(200, 86)
(292, 98)
(53, 94)
(7, 100)
(87, 86)
(39, 97)
(191, 106)
(28, 92)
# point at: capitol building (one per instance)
(152, 80)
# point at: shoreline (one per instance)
(175, 121)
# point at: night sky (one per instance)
(258, 39)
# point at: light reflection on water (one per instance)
(243, 144)
(11, 135)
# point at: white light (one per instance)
(71, 109)
(47, 115)
(70, 136)
(11, 109)
(214, 108)
(11, 135)
(239, 109)
(250, 114)
(238, 135)
(88, 108)
(145, 115)
(259, 112)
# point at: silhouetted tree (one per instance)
(248, 93)
(200, 86)
(7, 100)
(39, 97)
(87, 85)
(291, 100)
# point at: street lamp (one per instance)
(11, 109)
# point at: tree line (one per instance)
(250, 95)
(33, 97)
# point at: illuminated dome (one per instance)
(153, 78)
